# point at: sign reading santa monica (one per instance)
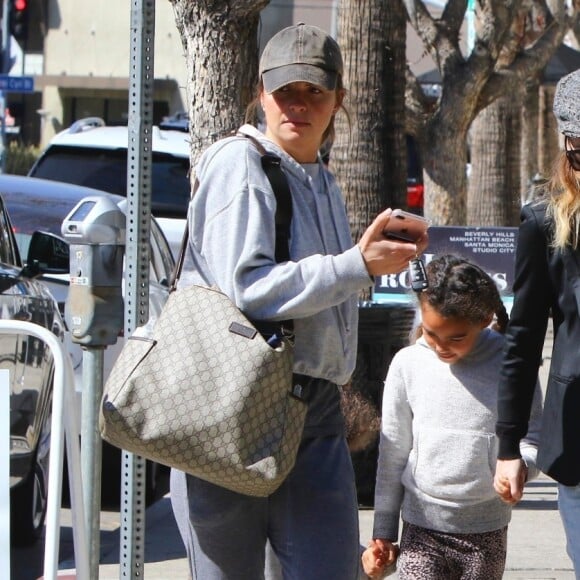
(493, 249)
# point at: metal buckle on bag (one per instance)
(288, 335)
(298, 392)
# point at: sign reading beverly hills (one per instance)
(491, 248)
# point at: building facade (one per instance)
(81, 66)
(79, 60)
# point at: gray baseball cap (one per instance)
(301, 53)
(567, 104)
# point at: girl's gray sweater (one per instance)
(438, 446)
(232, 241)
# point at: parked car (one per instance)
(37, 204)
(415, 187)
(91, 154)
(31, 372)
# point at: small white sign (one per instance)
(4, 472)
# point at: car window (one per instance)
(9, 253)
(162, 262)
(106, 170)
(29, 216)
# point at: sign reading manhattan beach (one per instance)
(493, 249)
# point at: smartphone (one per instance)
(406, 226)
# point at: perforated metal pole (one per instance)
(92, 450)
(5, 65)
(137, 260)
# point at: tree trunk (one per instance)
(530, 161)
(220, 42)
(513, 182)
(369, 154)
(444, 158)
(549, 137)
(494, 192)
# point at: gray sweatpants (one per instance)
(311, 521)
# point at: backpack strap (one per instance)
(271, 164)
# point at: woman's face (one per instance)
(451, 338)
(297, 115)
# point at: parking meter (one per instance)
(95, 230)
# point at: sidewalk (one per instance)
(536, 548)
(536, 541)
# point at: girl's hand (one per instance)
(378, 556)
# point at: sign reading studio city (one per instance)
(491, 248)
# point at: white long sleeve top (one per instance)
(438, 446)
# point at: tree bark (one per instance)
(494, 194)
(220, 42)
(369, 153)
(530, 154)
(444, 156)
(549, 136)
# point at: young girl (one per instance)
(438, 448)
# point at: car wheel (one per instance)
(28, 501)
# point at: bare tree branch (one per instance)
(528, 62)
(454, 14)
(439, 39)
(514, 40)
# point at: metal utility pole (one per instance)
(5, 67)
(139, 156)
(92, 450)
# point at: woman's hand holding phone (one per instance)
(387, 255)
(406, 226)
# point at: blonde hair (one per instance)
(564, 204)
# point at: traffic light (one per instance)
(19, 19)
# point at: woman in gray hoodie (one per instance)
(311, 521)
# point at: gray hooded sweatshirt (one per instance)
(438, 447)
(232, 242)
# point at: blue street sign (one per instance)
(12, 84)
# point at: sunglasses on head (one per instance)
(573, 156)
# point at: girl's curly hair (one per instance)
(459, 288)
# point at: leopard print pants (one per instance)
(429, 555)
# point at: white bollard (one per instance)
(5, 473)
(61, 423)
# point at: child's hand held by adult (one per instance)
(509, 479)
(379, 555)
